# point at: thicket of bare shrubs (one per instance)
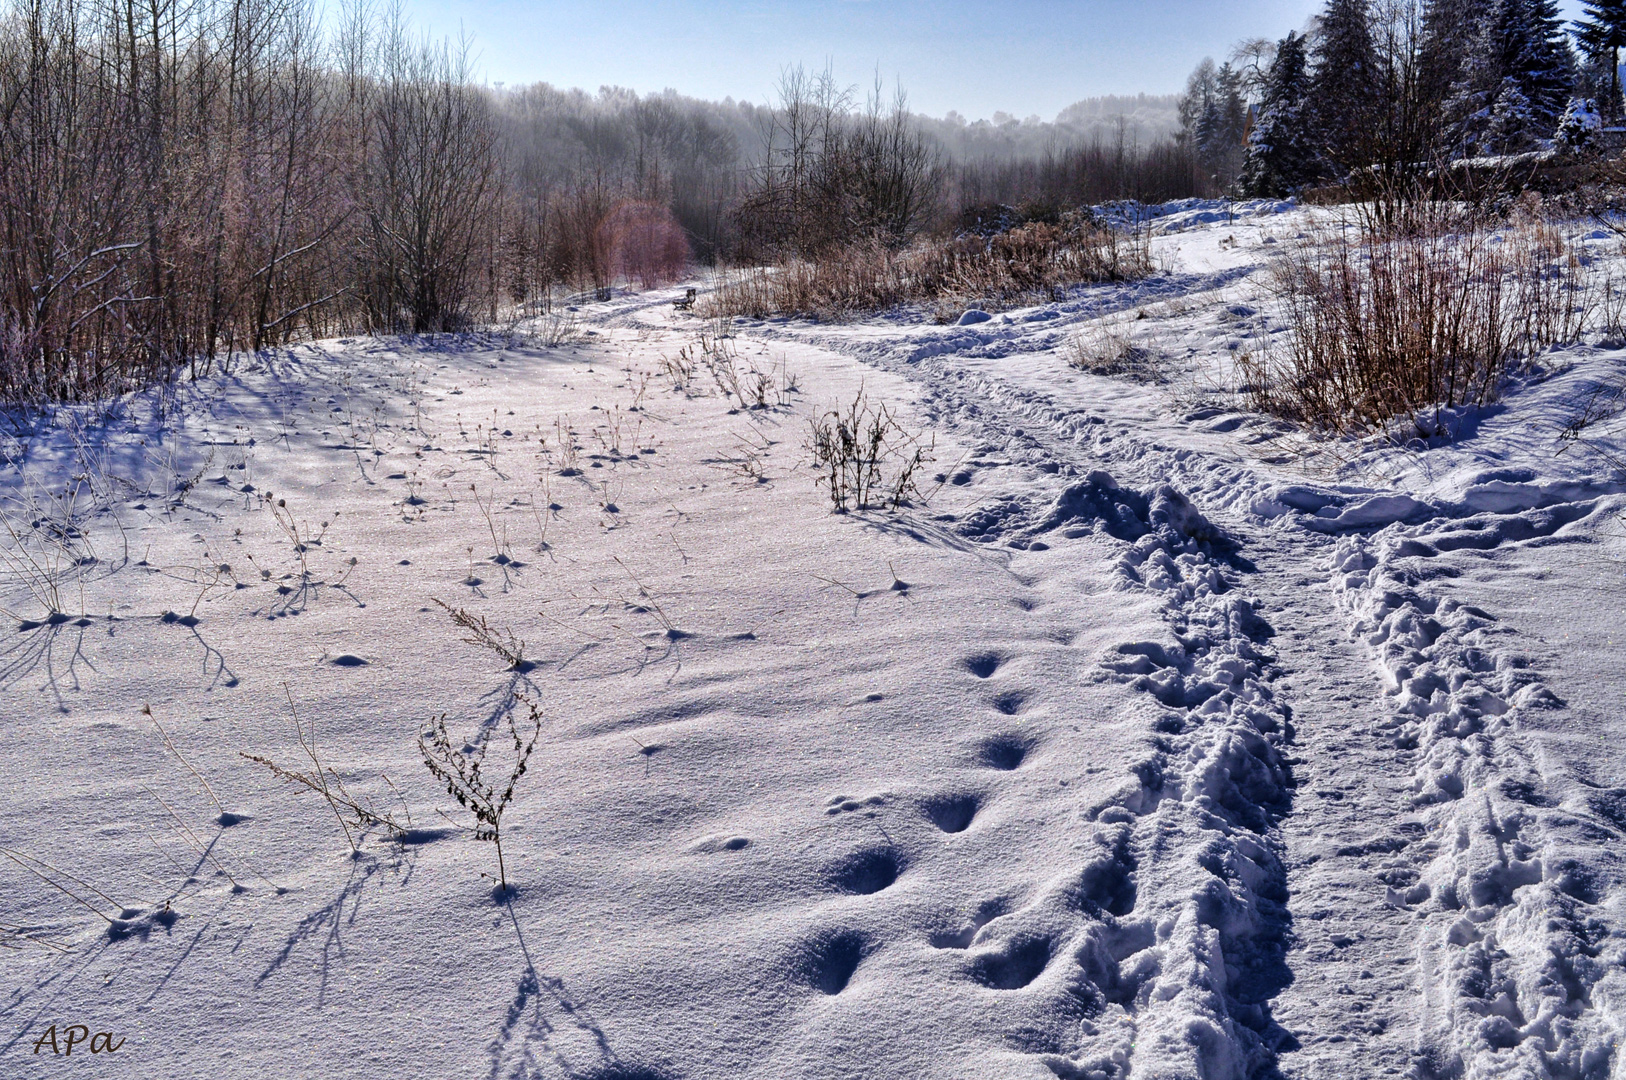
(832, 175)
(855, 207)
(183, 182)
(1420, 307)
(179, 182)
(1031, 263)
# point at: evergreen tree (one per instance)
(1447, 34)
(1602, 34)
(1281, 154)
(1233, 115)
(1344, 84)
(1195, 103)
(1221, 128)
(1516, 79)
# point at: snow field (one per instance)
(808, 783)
(1152, 745)
(1484, 940)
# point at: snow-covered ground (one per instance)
(1155, 742)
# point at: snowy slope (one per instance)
(1148, 746)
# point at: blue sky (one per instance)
(972, 56)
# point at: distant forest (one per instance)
(184, 181)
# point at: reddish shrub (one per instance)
(643, 242)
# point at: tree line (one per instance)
(181, 182)
(1397, 86)
(184, 181)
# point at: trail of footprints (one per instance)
(1179, 978)
(828, 960)
(1521, 966)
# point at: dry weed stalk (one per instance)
(33, 864)
(855, 448)
(496, 639)
(462, 771)
(351, 813)
(169, 744)
(555, 329)
(44, 553)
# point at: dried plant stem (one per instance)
(146, 710)
(26, 862)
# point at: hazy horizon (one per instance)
(1029, 57)
(1024, 57)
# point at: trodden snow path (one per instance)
(1140, 751)
(1354, 853)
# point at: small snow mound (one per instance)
(972, 317)
(714, 844)
(1370, 513)
(1098, 502)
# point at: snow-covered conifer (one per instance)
(1281, 155)
(1601, 33)
(1344, 84)
(1516, 80)
(1580, 123)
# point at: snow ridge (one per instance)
(1180, 985)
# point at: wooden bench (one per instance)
(686, 304)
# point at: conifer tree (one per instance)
(1221, 128)
(1344, 84)
(1448, 32)
(1516, 79)
(1602, 34)
(1280, 155)
(1195, 103)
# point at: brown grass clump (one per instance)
(1409, 318)
(1031, 263)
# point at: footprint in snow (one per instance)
(827, 961)
(983, 665)
(1013, 964)
(1003, 752)
(711, 845)
(865, 872)
(952, 813)
(1010, 703)
(842, 804)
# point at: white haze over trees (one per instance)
(185, 181)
